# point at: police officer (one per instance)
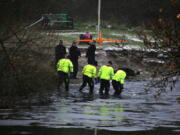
(60, 51)
(118, 82)
(74, 53)
(64, 66)
(90, 53)
(105, 73)
(89, 72)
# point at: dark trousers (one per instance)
(104, 85)
(91, 60)
(75, 68)
(89, 81)
(63, 77)
(117, 87)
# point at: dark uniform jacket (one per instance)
(91, 51)
(60, 52)
(74, 53)
(90, 54)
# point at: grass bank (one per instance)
(109, 31)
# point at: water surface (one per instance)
(135, 111)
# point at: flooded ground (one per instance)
(136, 113)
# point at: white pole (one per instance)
(99, 17)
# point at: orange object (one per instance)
(100, 40)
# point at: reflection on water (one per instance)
(134, 111)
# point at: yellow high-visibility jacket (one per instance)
(89, 70)
(120, 76)
(65, 65)
(106, 72)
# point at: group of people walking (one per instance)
(68, 64)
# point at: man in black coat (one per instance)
(60, 51)
(74, 53)
(90, 54)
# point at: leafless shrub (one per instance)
(163, 34)
(25, 68)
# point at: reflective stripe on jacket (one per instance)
(89, 70)
(106, 72)
(120, 76)
(65, 65)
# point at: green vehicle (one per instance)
(57, 21)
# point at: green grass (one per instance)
(121, 31)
